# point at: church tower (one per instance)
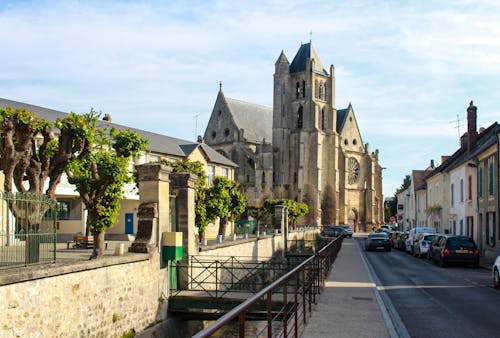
(305, 138)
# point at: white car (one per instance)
(496, 271)
(421, 245)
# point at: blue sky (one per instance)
(408, 67)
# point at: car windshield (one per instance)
(460, 242)
(378, 235)
(429, 237)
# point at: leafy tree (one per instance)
(295, 209)
(31, 154)
(224, 200)
(100, 175)
(195, 168)
(406, 183)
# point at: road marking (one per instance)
(393, 322)
(398, 287)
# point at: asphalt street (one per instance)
(436, 302)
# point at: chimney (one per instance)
(471, 126)
(432, 164)
(444, 158)
(107, 117)
(200, 139)
(464, 139)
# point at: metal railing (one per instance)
(298, 288)
(27, 229)
(217, 275)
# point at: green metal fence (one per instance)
(27, 229)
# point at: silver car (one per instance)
(495, 272)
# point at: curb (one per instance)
(393, 322)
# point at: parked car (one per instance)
(495, 272)
(456, 249)
(333, 231)
(421, 245)
(435, 240)
(377, 241)
(394, 238)
(413, 234)
(402, 241)
(347, 231)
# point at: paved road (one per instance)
(437, 302)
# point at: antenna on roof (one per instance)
(457, 121)
(220, 85)
(195, 117)
(310, 36)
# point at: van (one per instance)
(413, 234)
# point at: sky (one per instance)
(409, 68)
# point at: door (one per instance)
(129, 224)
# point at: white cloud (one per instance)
(407, 68)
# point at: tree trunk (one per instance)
(222, 226)
(98, 243)
(202, 236)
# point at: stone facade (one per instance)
(102, 298)
(318, 155)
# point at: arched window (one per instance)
(297, 90)
(263, 178)
(323, 119)
(324, 92)
(303, 88)
(316, 89)
(300, 117)
(320, 91)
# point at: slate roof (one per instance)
(341, 117)
(157, 143)
(299, 61)
(418, 177)
(484, 140)
(256, 120)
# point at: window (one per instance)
(324, 92)
(263, 178)
(63, 210)
(490, 229)
(297, 90)
(214, 134)
(480, 183)
(322, 119)
(303, 88)
(211, 172)
(461, 227)
(154, 158)
(300, 117)
(452, 194)
(469, 192)
(491, 171)
(224, 172)
(294, 177)
(248, 178)
(461, 190)
(470, 226)
(226, 132)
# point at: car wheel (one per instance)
(496, 279)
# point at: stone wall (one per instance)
(99, 298)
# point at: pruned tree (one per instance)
(31, 154)
(100, 175)
(224, 201)
(295, 209)
(406, 183)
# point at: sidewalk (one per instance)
(348, 306)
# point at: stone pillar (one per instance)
(281, 220)
(183, 188)
(153, 213)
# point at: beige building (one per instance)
(72, 213)
(318, 154)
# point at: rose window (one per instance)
(352, 171)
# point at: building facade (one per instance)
(318, 154)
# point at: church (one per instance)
(302, 148)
